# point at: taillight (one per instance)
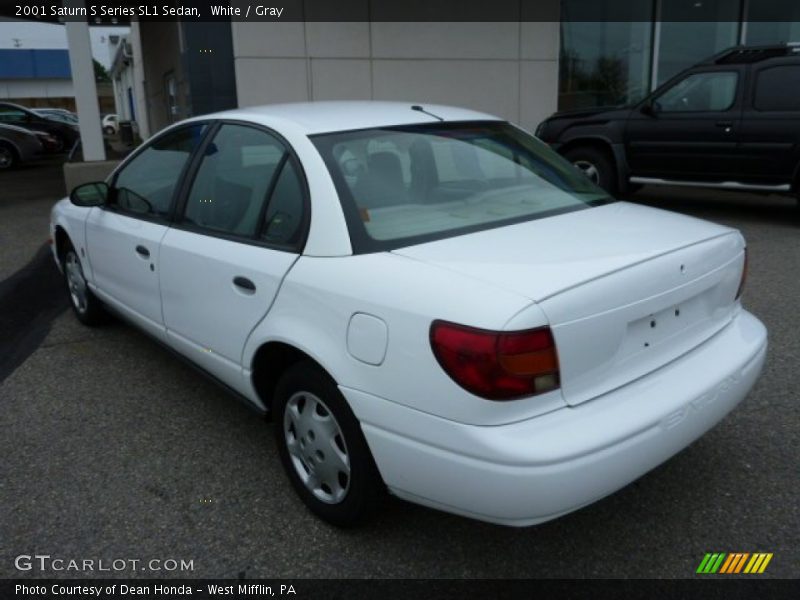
(498, 365)
(743, 278)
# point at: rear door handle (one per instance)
(142, 251)
(244, 283)
(724, 123)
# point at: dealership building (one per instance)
(599, 52)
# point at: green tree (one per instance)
(100, 73)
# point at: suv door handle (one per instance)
(724, 123)
(142, 251)
(244, 283)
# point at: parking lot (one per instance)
(112, 448)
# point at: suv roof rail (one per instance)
(752, 54)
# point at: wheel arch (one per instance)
(614, 152)
(270, 361)
(62, 242)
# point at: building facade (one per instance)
(601, 53)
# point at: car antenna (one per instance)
(418, 108)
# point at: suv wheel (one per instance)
(322, 447)
(596, 165)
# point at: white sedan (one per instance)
(426, 299)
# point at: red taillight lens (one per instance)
(497, 365)
(744, 276)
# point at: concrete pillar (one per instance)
(142, 116)
(80, 61)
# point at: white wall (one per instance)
(36, 88)
(508, 69)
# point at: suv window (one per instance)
(146, 185)
(771, 89)
(244, 168)
(700, 92)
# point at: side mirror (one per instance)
(90, 194)
(648, 109)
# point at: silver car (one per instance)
(18, 145)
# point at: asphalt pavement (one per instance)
(113, 449)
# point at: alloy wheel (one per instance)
(6, 158)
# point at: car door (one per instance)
(123, 237)
(770, 135)
(689, 130)
(239, 231)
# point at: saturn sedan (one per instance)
(426, 300)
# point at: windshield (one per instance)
(407, 185)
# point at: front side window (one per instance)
(700, 92)
(146, 185)
(247, 186)
(405, 185)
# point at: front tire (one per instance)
(86, 306)
(322, 447)
(596, 165)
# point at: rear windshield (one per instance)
(407, 185)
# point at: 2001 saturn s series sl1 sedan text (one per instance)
(427, 299)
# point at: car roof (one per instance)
(332, 116)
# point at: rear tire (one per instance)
(322, 447)
(596, 165)
(86, 306)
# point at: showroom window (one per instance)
(604, 63)
(616, 53)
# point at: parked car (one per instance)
(65, 134)
(57, 114)
(18, 145)
(426, 299)
(110, 124)
(731, 122)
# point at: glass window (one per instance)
(700, 92)
(11, 114)
(772, 22)
(405, 185)
(692, 31)
(231, 185)
(146, 185)
(605, 53)
(771, 86)
(284, 217)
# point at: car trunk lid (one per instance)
(626, 288)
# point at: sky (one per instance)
(24, 34)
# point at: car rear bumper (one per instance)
(531, 471)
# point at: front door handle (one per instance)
(142, 251)
(244, 283)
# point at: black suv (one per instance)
(732, 122)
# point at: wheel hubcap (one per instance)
(588, 169)
(316, 447)
(76, 282)
(5, 158)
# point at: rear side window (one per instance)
(776, 89)
(247, 186)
